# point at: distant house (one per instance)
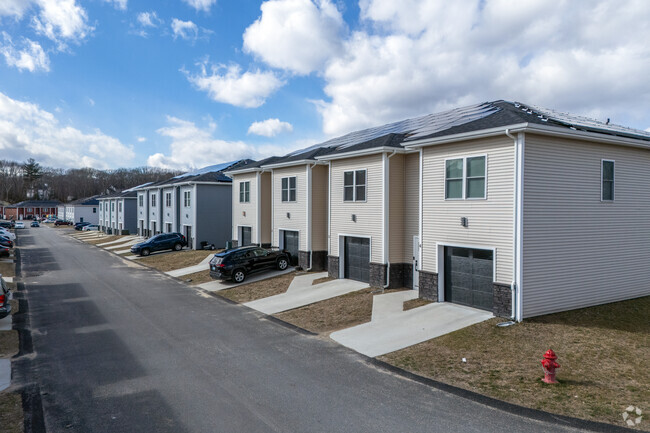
(82, 210)
(117, 212)
(31, 209)
(196, 204)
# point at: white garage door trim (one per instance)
(342, 237)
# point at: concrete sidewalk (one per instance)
(125, 244)
(203, 266)
(301, 292)
(120, 241)
(5, 374)
(217, 285)
(5, 324)
(392, 329)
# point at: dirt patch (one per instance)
(198, 277)
(258, 290)
(176, 259)
(8, 343)
(11, 412)
(102, 240)
(415, 303)
(8, 269)
(334, 314)
(603, 352)
(321, 280)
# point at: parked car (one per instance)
(62, 223)
(5, 296)
(7, 233)
(5, 224)
(81, 225)
(6, 242)
(237, 263)
(4, 251)
(20, 225)
(90, 227)
(163, 241)
(35, 224)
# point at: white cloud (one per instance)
(421, 56)
(27, 131)
(91, 101)
(229, 85)
(62, 21)
(31, 56)
(295, 35)
(185, 29)
(270, 127)
(119, 4)
(193, 146)
(201, 5)
(141, 139)
(149, 19)
(14, 8)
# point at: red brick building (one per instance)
(30, 209)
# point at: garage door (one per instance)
(357, 259)
(291, 243)
(468, 277)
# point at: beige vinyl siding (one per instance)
(411, 203)
(238, 218)
(396, 211)
(490, 220)
(368, 213)
(579, 251)
(319, 207)
(265, 208)
(297, 210)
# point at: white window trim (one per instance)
(354, 186)
(187, 198)
(465, 158)
(168, 195)
(602, 180)
(249, 191)
(288, 200)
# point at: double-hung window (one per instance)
(168, 199)
(289, 188)
(119, 207)
(607, 180)
(245, 192)
(465, 178)
(187, 198)
(354, 185)
(141, 200)
(153, 201)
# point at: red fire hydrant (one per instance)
(549, 365)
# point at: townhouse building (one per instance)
(501, 206)
(82, 210)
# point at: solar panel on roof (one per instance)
(208, 169)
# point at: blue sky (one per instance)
(189, 83)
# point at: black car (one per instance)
(5, 295)
(163, 241)
(6, 242)
(34, 224)
(237, 263)
(79, 226)
(6, 224)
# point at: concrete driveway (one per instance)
(392, 329)
(217, 285)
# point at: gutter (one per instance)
(370, 151)
(517, 235)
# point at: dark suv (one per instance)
(5, 295)
(163, 241)
(235, 264)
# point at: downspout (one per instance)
(387, 216)
(515, 232)
(309, 215)
(258, 210)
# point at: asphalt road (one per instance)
(122, 348)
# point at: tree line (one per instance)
(29, 180)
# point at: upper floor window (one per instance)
(289, 188)
(607, 180)
(112, 206)
(153, 200)
(354, 185)
(119, 207)
(100, 206)
(168, 199)
(141, 200)
(465, 178)
(94, 210)
(245, 192)
(186, 198)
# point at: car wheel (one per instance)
(239, 276)
(145, 252)
(282, 263)
(177, 247)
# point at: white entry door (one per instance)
(416, 258)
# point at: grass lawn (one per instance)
(415, 303)
(198, 277)
(321, 280)
(8, 269)
(8, 343)
(177, 259)
(333, 314)
(258, 290)
(603, 352)
(11, 413)
(102, 240)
